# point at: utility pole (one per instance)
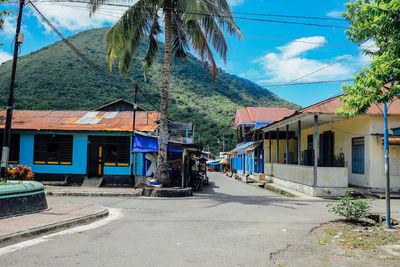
(223, 142)
(133, 174)
(10, 103)
(387, 173)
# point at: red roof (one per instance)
(330, 105)
(81, 120)
(261, 114)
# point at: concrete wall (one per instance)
(332, 177)
(79, 156)
(327, 176)
(294, 173)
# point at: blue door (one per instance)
(261, 162)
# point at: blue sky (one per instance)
(272, 53)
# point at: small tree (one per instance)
(378, 21)
(347, 206)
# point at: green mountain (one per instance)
(54, 77)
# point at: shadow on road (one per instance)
(248, 196)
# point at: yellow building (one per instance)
(349, 151)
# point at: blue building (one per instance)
(248, 156)
(71, 145)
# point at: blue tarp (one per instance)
(260, 124)
(145, 144)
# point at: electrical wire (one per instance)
(219, 16)
(233, 12)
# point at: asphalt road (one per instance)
(227, 224)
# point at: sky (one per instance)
(270, 54)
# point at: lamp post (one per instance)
(387, 173)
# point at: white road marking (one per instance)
(114, 214)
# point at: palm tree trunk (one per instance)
(162, 161)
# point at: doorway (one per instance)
(95, 158)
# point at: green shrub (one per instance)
(347, 206)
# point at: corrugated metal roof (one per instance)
(81, 120)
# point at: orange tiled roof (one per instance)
(261, 114)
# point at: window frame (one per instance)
(355, 158)
(122, 146)
(15, 145)
(51, 139)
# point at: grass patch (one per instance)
(356, 236)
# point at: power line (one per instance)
(305, 83)
(118, 15)
(233, 12)
(347, 46)
(325, 67)
(218, 16)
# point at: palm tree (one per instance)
(188, 25)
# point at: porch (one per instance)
(301, 155)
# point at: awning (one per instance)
(145, 144)
(242, 146)
(254, 146)
(224, 161)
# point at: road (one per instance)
(227, 224)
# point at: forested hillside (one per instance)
(54, 77)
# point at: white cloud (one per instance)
(75, 16)
(235, 2)
(291, 63)
(335, 14)
(301, 45)
(9, 27)
(4, 56)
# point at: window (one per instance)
(357, 154)
(53, 149)
(13, 157)
(116, 151)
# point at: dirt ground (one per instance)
(341, 243)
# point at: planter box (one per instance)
(20, 198)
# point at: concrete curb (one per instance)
(279, 191)
(15, 237)
(92, 194)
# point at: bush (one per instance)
(347, 206)
(20, 173)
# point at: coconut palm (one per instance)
(194, 25)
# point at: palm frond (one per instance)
(123, 39)
(179, 37)
(152, 47)
(200, 45)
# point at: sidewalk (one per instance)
(92, 191)
(60, 215)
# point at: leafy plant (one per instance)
(20, 173)
(349, 207)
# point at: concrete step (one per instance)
(92, 182)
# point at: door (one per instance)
(95, 160)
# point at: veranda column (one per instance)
(269, 148)
(287, 143)
(315, 149)
(299, 142)
(277, 145)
